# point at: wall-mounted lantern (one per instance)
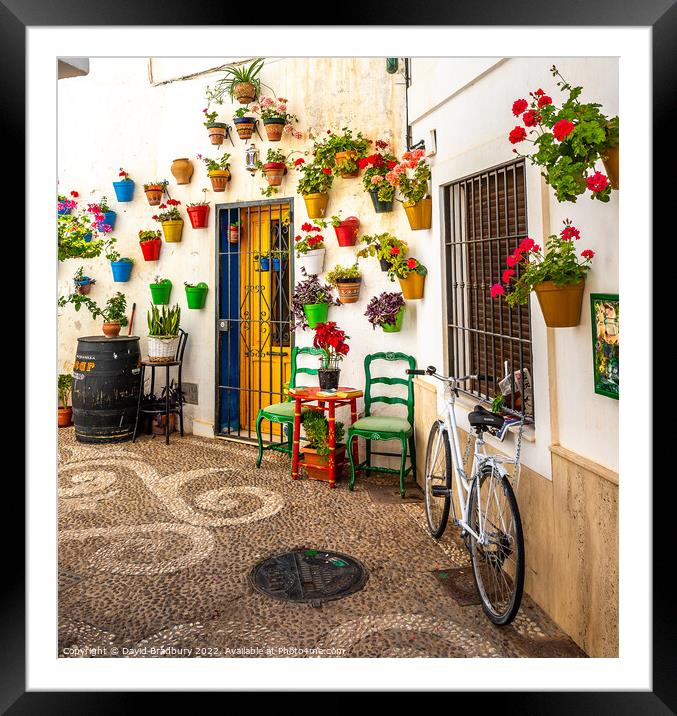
(251, 158)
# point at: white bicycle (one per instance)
(489, 518)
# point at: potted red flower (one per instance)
(198, 213)
(375, 168)
(150, 243)
(331, 340)
(276, 119)
(154, 191)
(414, 187)
(310, 249)
(170, 220)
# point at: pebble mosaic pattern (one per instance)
(156, 544)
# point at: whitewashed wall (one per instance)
(468, 102)
(114, 117)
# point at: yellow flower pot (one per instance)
(316, 205)
(172, 230)
(219, 179)
(412, 286)
(420, 213)
(561, 305)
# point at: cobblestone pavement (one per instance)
(156, 544)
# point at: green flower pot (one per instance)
(161, 292)
(316, 313)
(397, 326)
(196, 296)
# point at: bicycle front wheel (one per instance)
(437, 479)
(498, 556)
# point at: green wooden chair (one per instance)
(385, 427)
(284, 412)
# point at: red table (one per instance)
(329, 403)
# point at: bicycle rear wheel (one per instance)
(498, 563)
(437, 479)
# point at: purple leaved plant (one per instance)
(383, 309)
(307, 291)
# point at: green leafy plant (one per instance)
(156, 185)
(210, 117)
(64, 388)
(112, 254)
(79, 279)
(242, 112)
(384, 246)
(568, 142)
(340, 273)
(112, 312)
(199, 203)
(172, 212)
(343, 141)
(401, 267)
(529, 265)
(71, 232)
(149, 235)
(164, 323)
(316, 178)
(497, 403)
(411, 176)
(213, 165)
(316, 427)
(202, 284)
(375, 167)
(235, 75)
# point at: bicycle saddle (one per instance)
(482, 418)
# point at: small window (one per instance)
(485, 219)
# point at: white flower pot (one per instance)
(313, 261)
(162, 349)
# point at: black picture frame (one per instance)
(660, 15)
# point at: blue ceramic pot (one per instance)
(88, 237)
(109, 218)
(278, 264)
(124, 190)
(122, 270)
(61, 212)
(265, 264)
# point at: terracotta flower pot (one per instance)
(610, 161)
(84, 288)
(274, 172)
(234, 234)
(219, 178)
(348, 289)
(182, 169)
(111, 329)
(346, 232)
(217, 132)
(244, 92)
(244, 126)
(154, 195)
(561, 305)
(420, 213)
(65, 417)
(341, 158)
(313, 463)
(274, 128)
(151, 249)
(199, 216)
(412, 286)
(172, 230)
(316, 205)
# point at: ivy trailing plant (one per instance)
(528, 265)
(568, 140)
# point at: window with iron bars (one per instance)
(485, 218)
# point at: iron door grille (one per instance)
(484, 220)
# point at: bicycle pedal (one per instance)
(439, 491)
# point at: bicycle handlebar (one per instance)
(431, 370)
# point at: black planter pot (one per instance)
(329, 378)
(385, 264)
(380, 207)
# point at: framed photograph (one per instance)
(605, 342)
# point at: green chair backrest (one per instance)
(296, 369)
(408, 381)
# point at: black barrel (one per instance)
(106, 388)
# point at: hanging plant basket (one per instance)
(412, 286)
(394, 327)
(420, 213)
(561, 305)
(124, 190)
(172, 230)
(199, 216)
(217, 132)
(244, 92)
(346, 232)
(244, 126)
(84, 286)
(316, 313)
(182, 169)
(380, 207)
(348, 289)
(161, 292)
(196, 296)
(274, 128)
(313, 261)
(279, 264)
(151, 249)
(610, 161)
(316, 205)
(154, 194)
(274, 172)
(219, 179)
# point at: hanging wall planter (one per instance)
(196, 296)
(161, 291)
(312, 261)
(279, 263)
(274, 128)
(154, 192)
(234, 232)
(610, 161)
(561, 305)
(274, 172)
(219, 179)
(341, 158)
(397, 326)
(244, 126)
(109, 218)
(316, 205)
(380, 207)
(124, 190)
(182, 169)
(244, 92)
(348, 289)
(198, 215)
(84, 285)
(122, 270)
(217, 132)
(412, 286)
(264, 263)
(316, 313)
(420, 213)
(151, 249)
(346, 231)
(172, 230)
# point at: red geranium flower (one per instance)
(497, 290)
(297, 238)
(539, 92)
(511, 260)
(507, 274)
(543, 100)
(362, 162)
(562, 129)
(518, 134)
(531, 118)
(518, 106)
(306, 227)
(74, 194)
(587, 254)
(163, 206)
(394, 251)
(570, 232)
(326, 170)
(411, 263)
(299, 161)
(597, 182)
(391, 164)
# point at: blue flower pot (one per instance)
(109, 218)
(265, 264)
(122, 270)
(124, 190)
(61, 212)
(88, 237)
(278, 264)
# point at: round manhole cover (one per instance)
(309, 575)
